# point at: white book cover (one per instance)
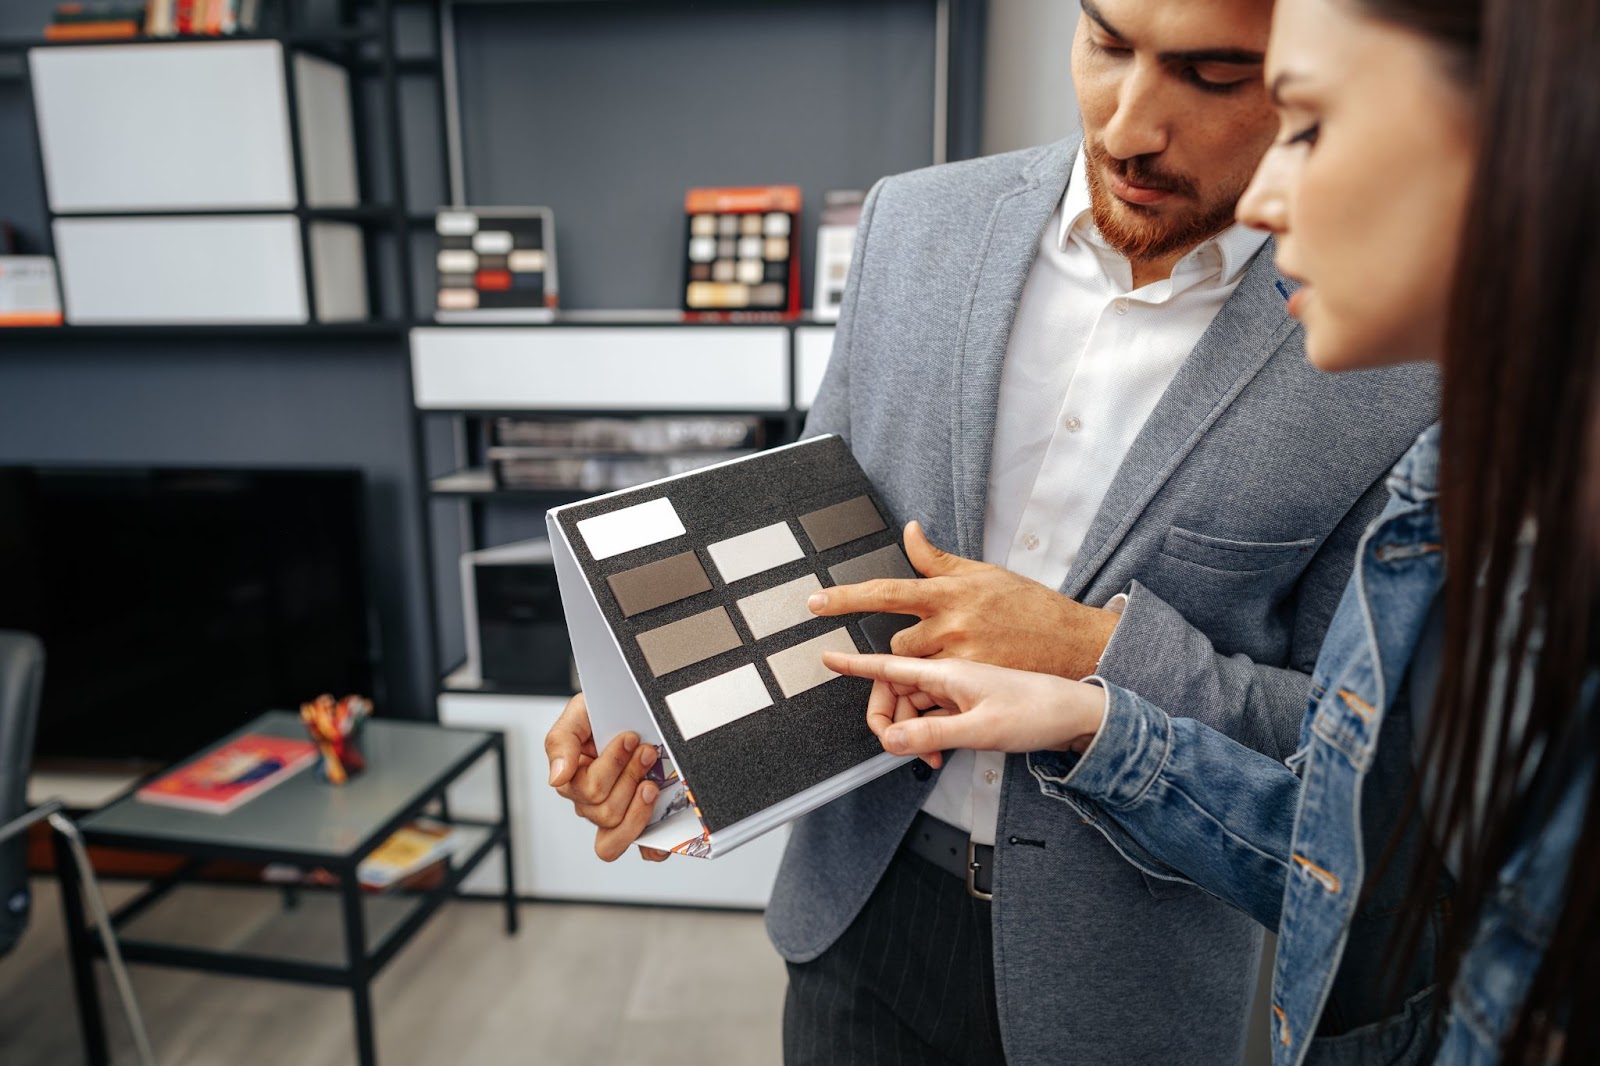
(686, 603)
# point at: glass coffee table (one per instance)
(308, 823)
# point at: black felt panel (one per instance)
(748, 765)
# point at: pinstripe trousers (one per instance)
(911, 981)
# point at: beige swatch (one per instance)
(800, 668)
(688, 641)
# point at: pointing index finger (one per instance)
(924, 675)
(888, 595)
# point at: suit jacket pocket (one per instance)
(1234, 556)
(1238, 593)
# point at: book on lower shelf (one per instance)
(232, 775)
(412, 849)
(414, 857)
(686, 600)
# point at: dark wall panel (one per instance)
(608, 112)
(241, 403)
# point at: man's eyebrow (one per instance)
(1093, 12)
(1233, 56)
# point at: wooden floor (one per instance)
(582, 985)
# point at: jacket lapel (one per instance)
(1010, 245)
(1251, 326)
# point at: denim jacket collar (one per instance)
(1416, 476)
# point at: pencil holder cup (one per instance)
(336, 729)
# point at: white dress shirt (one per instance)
(1087, 362)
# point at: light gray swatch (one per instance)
(756, 551)
(780, 607)
(723, 699)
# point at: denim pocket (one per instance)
(1234, 556)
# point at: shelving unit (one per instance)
(364, 47)
(874, 110)
(604, 362)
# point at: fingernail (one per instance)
(894, 740)
(556, 768)
(648, 792)
(817, 602)
(630, 742)
(647, 756)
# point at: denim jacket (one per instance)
(1292, 843)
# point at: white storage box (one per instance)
(197, 270)
(686, 368)
(172, 127)
(813, 347)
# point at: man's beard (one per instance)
(1138, 233)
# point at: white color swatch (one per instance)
(799, 669)
(633, 527)
(751, 553)
(723, 699)
(780, 607)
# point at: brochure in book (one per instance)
(686, 600)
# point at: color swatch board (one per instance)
(686, 603)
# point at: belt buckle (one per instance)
(972, 870)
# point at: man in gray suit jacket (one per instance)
(1068, 364)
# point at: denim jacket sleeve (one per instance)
(1183, 802)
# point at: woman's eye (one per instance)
(1307, 136)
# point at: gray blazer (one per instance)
(1232, 525)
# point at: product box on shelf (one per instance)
(743, 252)
(496, 264)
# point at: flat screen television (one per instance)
(177, 604)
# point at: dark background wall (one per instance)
(604, 111)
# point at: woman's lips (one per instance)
(1296, 301)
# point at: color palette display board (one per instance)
(743, 250)
(496, 264)
(686, 603)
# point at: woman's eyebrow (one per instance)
(1275, 90)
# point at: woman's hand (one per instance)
(925, 707)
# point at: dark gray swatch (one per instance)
(879, 629)
(842, 523)
(889, 561)
(644, 588)
(691, 640)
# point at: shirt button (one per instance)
(1121, 306)
(1073, 424)
(1030, 542)
(989, 777)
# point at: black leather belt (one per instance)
(952, 850)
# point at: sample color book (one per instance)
(686, 601)
(743, 250)
(495, 263)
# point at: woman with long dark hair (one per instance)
(1430, 857)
